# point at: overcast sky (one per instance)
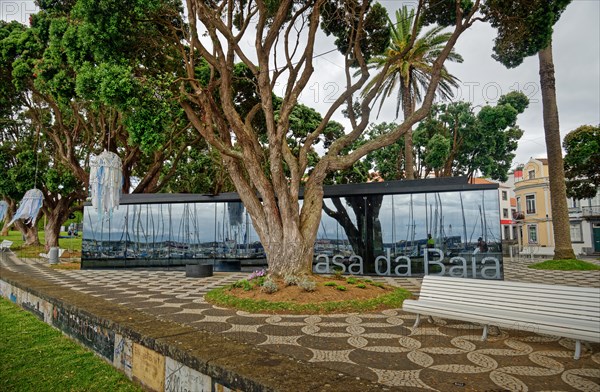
(576, 48)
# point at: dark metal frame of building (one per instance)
(431, 185)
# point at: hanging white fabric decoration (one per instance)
(29, 207)
(106, 180)
(3, 209)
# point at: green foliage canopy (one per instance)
(582, 161)
(524, 27)
(455, 141)
(335, 21)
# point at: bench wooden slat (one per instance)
(506, 296)
(498, 283)
(584, 307)
(520, 316)
(574, 313)
(550, 295)
(542, 291)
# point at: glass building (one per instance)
(395, 228)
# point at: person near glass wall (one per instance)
(481, 246)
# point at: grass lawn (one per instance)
(72, 244)
(565, 265)
(36, 357)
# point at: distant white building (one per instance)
(584, 218)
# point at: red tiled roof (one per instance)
(480, 181)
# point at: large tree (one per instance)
(524, 29)
(103, 71)
(582, 161)
(96, 75)
(283, 35)
(91, 75)
(29, 161)
(454, 141)
(408, 63)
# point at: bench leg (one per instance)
(577, 349)
(485, 332)
(417, 321)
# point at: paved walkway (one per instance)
(380, 347)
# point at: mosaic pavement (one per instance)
(382, 347)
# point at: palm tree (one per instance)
(410, 70)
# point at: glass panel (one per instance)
(530, 201)
(532, 231)
(235, 234)
(389, 235)
(339, 232)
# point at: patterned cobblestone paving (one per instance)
(445, 355)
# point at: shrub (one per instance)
(290, 280)
(269, 286)
(242, 284)
(341, 288)
(351, 280)
(377, 284)
(307, 284)
(331, 284)
(361, 286)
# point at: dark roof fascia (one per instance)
(431, 185)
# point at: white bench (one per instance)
(5, 245)
(565, 311)
(47, 256)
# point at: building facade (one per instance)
(584, 219)
(534, 214)
(366, 229)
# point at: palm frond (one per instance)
(412, 69)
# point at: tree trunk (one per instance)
(365, 237)
(10, 212)
(54, 219)
(52, 231)
(291, 256)
(409, 158)
(399, 162)
(29, 233)
(558, 194)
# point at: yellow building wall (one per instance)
(537, 186)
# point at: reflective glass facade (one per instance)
(367, 229)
